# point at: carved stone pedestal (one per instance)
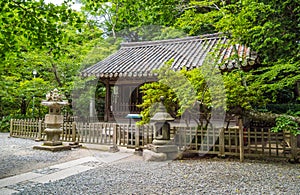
(53, 120)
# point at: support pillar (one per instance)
(107, 101)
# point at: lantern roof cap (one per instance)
(161, 114)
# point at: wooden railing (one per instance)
(134, 136)
(96, 133)
(26, 128)
(235, 141)
(34, 129)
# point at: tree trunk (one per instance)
(23, 106)
(54, 68)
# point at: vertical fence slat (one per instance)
(269, 144)
(276, 142)
(283, 143)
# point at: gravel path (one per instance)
(202, 176)
(18, 156)
(206, 176)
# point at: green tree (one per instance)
(271, 28)
(30, 28)
(57, 66)
(186, 92)
(40, 23)
(122, 15)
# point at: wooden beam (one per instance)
(131, 81)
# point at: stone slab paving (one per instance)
(61, 174)
(60, 171)
(4, 191)
(18, 178)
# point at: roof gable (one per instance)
(139, 59)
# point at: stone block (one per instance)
(54, 119)
(172, 155)
(52, 143)
(149, 155)
(52, 148)
(163, 148)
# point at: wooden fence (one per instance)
(236, 141)
(26, 128)
(96, 133)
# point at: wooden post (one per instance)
(114, 148)
(107, 101)
(39, 134)
(137, 136)
(115, 134)
(73, 132)
(294, 156)
(11, 128)
(241, 138)
(222, 143)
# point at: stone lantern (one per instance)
(161, 148)
(161, 125)
(53, 120)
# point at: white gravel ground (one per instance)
(135, 176)
(18, 156)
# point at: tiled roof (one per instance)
(138, 59)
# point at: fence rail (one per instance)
(27, 128)
(236, 141)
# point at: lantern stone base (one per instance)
(161, 142)
(53, 148)
(160, 152)
(52, 143)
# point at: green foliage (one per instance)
(240, 93)
(183, 91)
(200, 17)
(290, 109)
(5, 124)
(127, 14)
(271, 28)
(57, 47)
(40, 23)
(152, 93)
(286, 123)
(277, 80)
(150, 33)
